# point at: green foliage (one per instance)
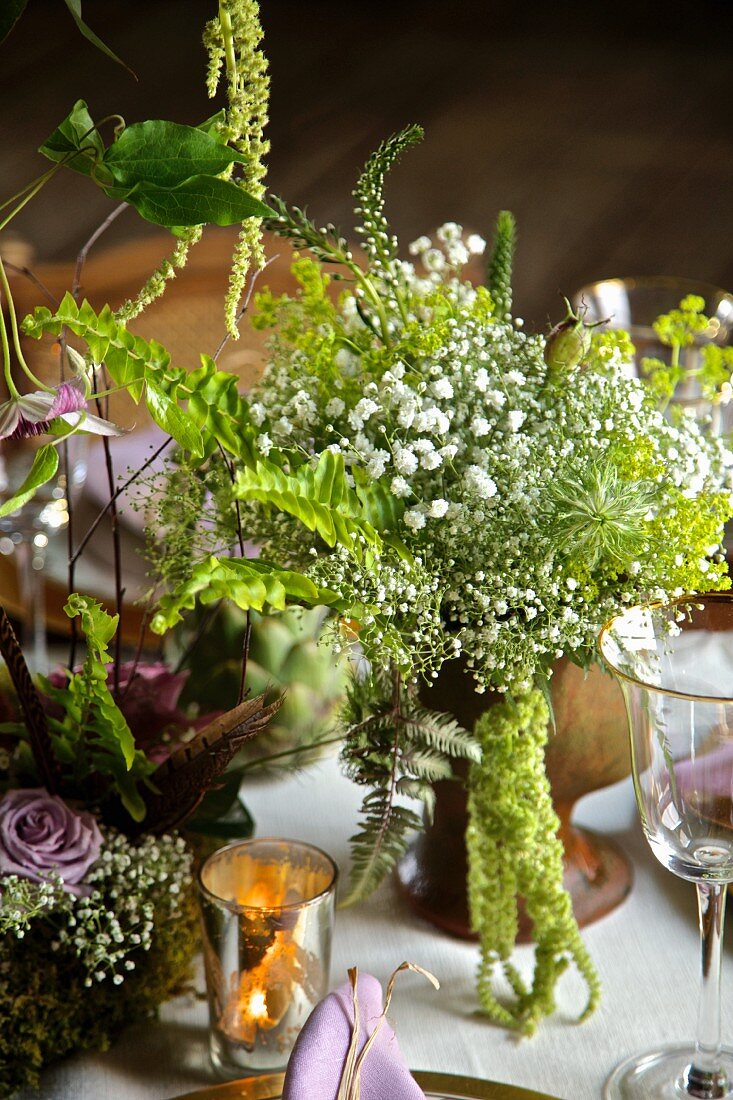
(501, 262)
(45, 464)
(399, 749)
(597, 516)
(251, 584)
(318, 498)
(709, 364)
(9, 15)
(92, 737)
(513, 852)
(215, 411)
(379, 243)
(170, 173)
(13, 9)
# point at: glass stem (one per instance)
(32, 594)
(705, 1077)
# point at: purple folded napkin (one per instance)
(317, 1062)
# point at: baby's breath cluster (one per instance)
(132, 889)
(533, 506)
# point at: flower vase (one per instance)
(588, 751)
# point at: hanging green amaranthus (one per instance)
(513, 852)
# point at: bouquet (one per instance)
(447, 485)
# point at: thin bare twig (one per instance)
(84, 250)
(73, 556)
(118, 493)
(33, 278)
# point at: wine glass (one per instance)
(633, 304)
(674, 663)
(26, 533)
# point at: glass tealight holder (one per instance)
(267, 908)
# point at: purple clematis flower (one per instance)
(33, 413)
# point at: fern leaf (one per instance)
(501, 264)
(442, 732)
(427, 765)
(378, 845)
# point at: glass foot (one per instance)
(667, 1074)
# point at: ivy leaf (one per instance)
(45, 465)
(77, 133)
(196, 201)
(169, 416)
(11, 13)
(74, 7)
(166, 154)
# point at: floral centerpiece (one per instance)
(447, 484)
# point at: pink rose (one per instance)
(39, 834)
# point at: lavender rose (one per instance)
(40, 834)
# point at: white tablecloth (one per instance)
(646, 953)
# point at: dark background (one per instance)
(605, 127)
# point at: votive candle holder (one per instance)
(267, 909)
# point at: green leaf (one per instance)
(169, 416)
(44, 467)
(9, 15)
(74, 7)
(76, 132)
(197, 201)
(166, 154)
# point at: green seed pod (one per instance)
(568, 343)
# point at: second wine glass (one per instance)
(675, 666)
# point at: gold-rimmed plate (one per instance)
(436, 1086)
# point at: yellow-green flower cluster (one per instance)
(234, 38)
(513, 852)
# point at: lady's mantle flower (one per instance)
(33, 413)
(40, 835)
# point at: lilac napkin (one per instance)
(316, 1064)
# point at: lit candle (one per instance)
(267, 908)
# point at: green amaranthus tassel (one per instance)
(513, 852)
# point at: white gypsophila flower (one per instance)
(438, 508)
(457, 254)
(377, 464)
(475, 244)
(422, 244)
(399, 487)
(442, 388)
(479, 482)
(480, 426)
(434, 260)
(335, 407)
(283, 426)
(449, 231)
(257, 413)
(264, 444)
(405, 461)
(516, 418)
(415, 519)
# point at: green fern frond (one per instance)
(319, 498)
(378, 845)
(252, 584)
(443, 733)
(501, 263)
(397, 748)
(424, 764)
(379, 244)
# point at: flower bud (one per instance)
(567, 343)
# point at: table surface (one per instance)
(646, 953)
